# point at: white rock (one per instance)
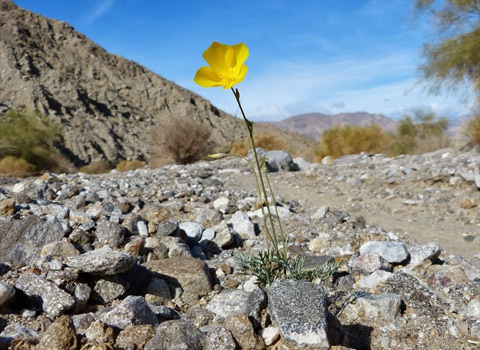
(242, 225)
(6, 292)
(270, 335)
(142, 228)
(221, 202)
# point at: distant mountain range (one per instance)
(313, 125)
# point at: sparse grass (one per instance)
(16, 167)
(127, 165)
(97, 167)
(472, 130)
(351, 139)
(269, 267)
(182, 141)
(268, 142)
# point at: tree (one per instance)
(420, 131)
(454, 58)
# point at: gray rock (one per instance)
(223, 236)
(475, 330)
(103, 261)
(243, 333)
(368, 263)
(176, 247)
(256, 303)
(157, 291)
(6, 292)
(299, 309)
(132, 311)
(164, 313)
(372, 309)
(426, 253)
(176, 335)
(108, 289)
(16, 331)
(393, 252)
(52, 299)
(81, 295)
(242, 225)
(372, 280)
(230, 302)
(22, 240)
(219, 338)
(109, 233)
(473, 309)
(191, 274)
(280, 160)
(193, 230)
(472, 272)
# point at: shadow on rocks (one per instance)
(354, 336)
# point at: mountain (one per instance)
(106, 104)
(313, 125)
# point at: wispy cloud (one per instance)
(103, 7)
(383, 84)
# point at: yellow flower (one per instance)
(226, 65)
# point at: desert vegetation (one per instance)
(419, 131)
(268, 142)
(472, 130)
(181, 141)
(29, 143)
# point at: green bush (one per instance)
(472, 130)
(17, 167)
(419, 132)
(352, 139)
(32, 137)
(181, 141)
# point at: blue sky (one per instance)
(328, 56)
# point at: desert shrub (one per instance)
(268, 142)
(419, 132)
(96, 167)
(32, 137)
(126, 165)
(182, 141)
(472, 130)
(351, 139)
(17, 167)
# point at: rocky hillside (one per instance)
(313, 125)
(107, 105)
(144, 259)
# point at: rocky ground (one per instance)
(144, 259)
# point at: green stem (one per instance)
(260, 176)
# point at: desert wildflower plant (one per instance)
(226, 69)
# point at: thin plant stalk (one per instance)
(272, 235)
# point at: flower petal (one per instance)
(206, 77)
(239, 77)
(241, 52)
(215, 57)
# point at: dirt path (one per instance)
(456, 232)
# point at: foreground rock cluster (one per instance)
(144, 260)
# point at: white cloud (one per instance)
(103, 7)
(384, 84)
